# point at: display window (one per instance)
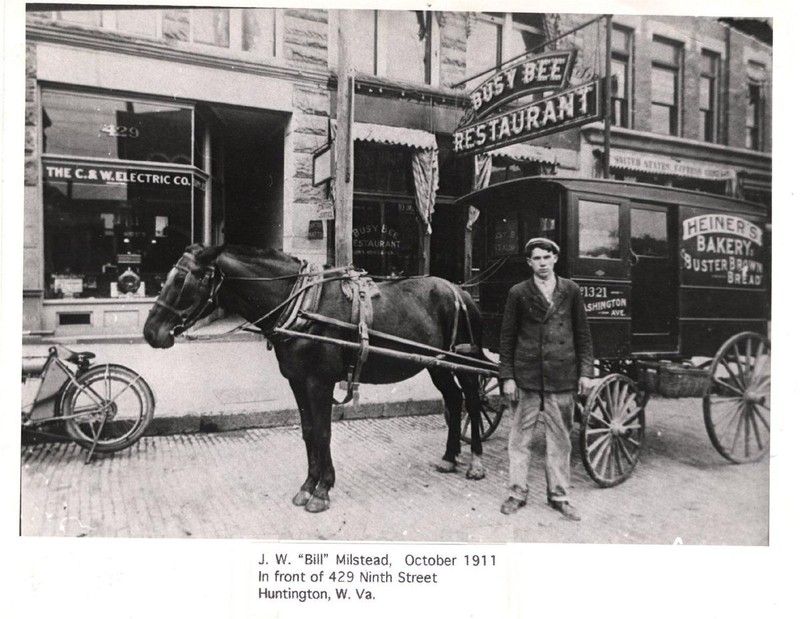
(386, 237)
(121, 198)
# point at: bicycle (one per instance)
(104, 408)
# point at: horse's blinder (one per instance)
(188, 316)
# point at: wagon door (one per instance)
(653, 298)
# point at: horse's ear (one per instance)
(206, 255)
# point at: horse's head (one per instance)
(188, 295)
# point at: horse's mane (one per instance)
(257, 253)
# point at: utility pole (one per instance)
(607, 103)
(343, 194)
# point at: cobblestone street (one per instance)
(239, 485)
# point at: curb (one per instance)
(209, 422)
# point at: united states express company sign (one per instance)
(575, 106)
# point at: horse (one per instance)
(260, 284)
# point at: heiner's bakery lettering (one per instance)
(718, 255)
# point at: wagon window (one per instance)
(649, 232)
(598, 232)
(505, 236)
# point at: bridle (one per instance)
(200, 306)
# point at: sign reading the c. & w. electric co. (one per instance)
(569, 108)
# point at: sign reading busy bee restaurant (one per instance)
(575, 106)
(721, 250)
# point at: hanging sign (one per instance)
(548, 71)
(573, 107)
(721, 250)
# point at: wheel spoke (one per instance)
(751, 418)
(760, 416)
(728, 386)
(597, 445)
(736, 377)
(601, 404)
(602, 420)
(624, 451)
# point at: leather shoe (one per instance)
(566, 510)
(511, 505)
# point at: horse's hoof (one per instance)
(445, 466)
(476, 474)
(316, 505)
(301, 498)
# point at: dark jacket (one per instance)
(543, 347)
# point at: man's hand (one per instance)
(510, 390)
(584, 385)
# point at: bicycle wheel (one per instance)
(108, 408)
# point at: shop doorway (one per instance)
(247, 177)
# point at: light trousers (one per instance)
(557, 415)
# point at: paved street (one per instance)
(239, 485)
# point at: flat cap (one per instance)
(552, 245)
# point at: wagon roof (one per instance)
(520, 188)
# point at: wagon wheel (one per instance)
(736, 407)
(492, 407)
(612, 430)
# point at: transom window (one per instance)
(254, 31)
(394, 44)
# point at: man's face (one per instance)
(542, 262)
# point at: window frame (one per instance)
(604, 268)
(714, 76)
(754, 138)
(624, 56)
(678, 72)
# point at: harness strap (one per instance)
(361, 314)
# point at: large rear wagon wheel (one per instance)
(612, 430)
(492, 407)
(736, 408)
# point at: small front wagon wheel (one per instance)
(736, 407)
(612, 430)
(492, 407)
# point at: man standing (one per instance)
(545, 357)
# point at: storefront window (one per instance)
(90, 126)
(102, 221)
(379, 167)
(386, 237)
(598, 230)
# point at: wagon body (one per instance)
(666, 275)
(664, 272)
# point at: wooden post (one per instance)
(343, 197)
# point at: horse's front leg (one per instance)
(319, 394)
(304, 494)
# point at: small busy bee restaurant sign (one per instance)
(479, 131)
(721, 250)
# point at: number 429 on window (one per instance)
(120, 131)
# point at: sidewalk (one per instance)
(224, 381)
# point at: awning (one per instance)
(384, 134)
(652, 163)
(525, 152)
